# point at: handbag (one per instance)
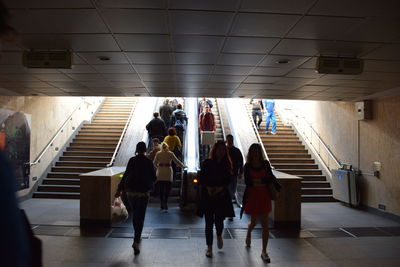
(119, 213)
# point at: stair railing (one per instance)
(60, 130)
(121, 137)
(311, 137)
(256, 130)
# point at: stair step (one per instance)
(291, 151)
(298, 172)
(94, 149)
(64, 175)
(316, 191)
(317, 198)
(315, 184)
(83, 153)
(291, 160)
(100, 134)
(59, 188)
(85, 158)
(60, 181)
(74, 169)
(113, 114)
(294, 166)
(315, 177)
(273, 155)
(106, 127)
(104, 131)
(282, 143)
(279, 138)
(95, 140)
(56, 195)
(84, 144)
(109, 124)
(82, 164)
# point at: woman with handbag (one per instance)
(137, 182)
(216, 203)
(260, 188)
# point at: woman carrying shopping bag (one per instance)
(137, 182)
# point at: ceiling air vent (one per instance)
(43, 59)
(337, 65)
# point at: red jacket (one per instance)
(207, 122)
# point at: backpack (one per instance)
(209, 103)
(179, 122)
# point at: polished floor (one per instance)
(331, 235)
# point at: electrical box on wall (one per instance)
(364, 110)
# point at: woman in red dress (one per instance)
(257, 198)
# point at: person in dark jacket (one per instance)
(156, 128)
(257, 197)
(237, 164)
(165, 113)
(215, 201)
(179, 121)
(137, 182)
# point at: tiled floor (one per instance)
(331, 235)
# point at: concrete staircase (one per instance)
(91, 149)
(287, 154)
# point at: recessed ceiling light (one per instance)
(103, 58)
(283, 61)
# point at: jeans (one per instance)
(212, 218)
(271, 116)
(138, 207)
(205, 150)
(165, 189)
(232, 186)
(257, 113)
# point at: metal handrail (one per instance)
(220, 120)
(256, 131)
(121, 137)
(320, 141)
(50, 143)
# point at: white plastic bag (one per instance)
(119, 213)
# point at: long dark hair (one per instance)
(227, 158)
(256, 147)
(140, 148)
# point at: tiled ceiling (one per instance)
(224, 48)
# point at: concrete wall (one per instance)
(379, 140)
(47, 116)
